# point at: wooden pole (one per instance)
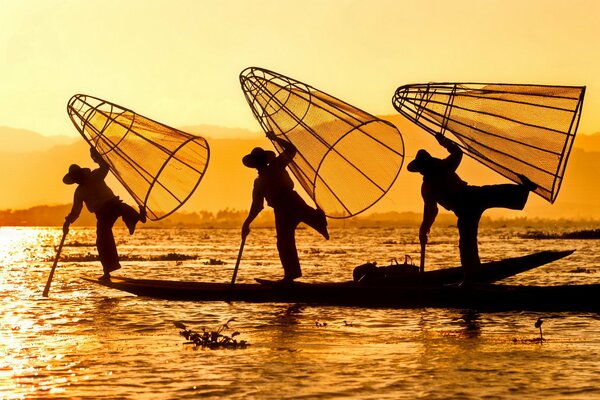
(237, 263)
(62, 241)
(422, 265)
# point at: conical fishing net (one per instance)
(158, 165)
(347, 159)
(513, 129)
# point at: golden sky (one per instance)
(178, 61)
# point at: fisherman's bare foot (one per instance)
(131, 220)
(131, 226)
(142, 217)
(527, 183)
(323, 224)
(286, 282)
(105, 278)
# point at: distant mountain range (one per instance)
(23, 141)
(33, 165)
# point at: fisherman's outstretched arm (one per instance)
(255, 209)
(289, 150)
(76, 209)
(453, 160)
(430, 212)
(103, 170)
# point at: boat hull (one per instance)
(482, 296)
(430, 289)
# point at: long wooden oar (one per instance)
(237, 263)
(62, 241)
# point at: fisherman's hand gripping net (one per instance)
(347, 159)
(512, 129)
(158, 165)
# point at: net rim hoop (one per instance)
(191, 192)
(564, 159)
(393, 181)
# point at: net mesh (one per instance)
(512, 129)
(158, 165)
(347, 159)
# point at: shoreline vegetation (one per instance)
(578, 234)
(536, 228)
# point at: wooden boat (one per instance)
(411, 295)
(490, 297)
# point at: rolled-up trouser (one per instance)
(106, 217)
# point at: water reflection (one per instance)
(471, 324)
(89, 341)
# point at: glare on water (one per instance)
(87, 341)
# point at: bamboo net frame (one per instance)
(511, 128)
(347, 159)
(159, 166)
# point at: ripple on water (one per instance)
(87, 341)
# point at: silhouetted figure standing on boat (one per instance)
(441, 185)
(275, 185)
(100, 200)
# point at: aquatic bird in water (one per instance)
(538, 324)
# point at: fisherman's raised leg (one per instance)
(509, 196)
(130, 216)
(316, 219)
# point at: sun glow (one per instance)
(29, 323)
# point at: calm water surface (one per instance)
(86, 341)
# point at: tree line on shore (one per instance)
(53, 215)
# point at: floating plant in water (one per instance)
(212, 339)
(214, 261)
(129, 257)
(172, 257)
(581, 234)
(79, 244)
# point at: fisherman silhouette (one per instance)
(441, 185)
(99, 199)
(274, 185)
